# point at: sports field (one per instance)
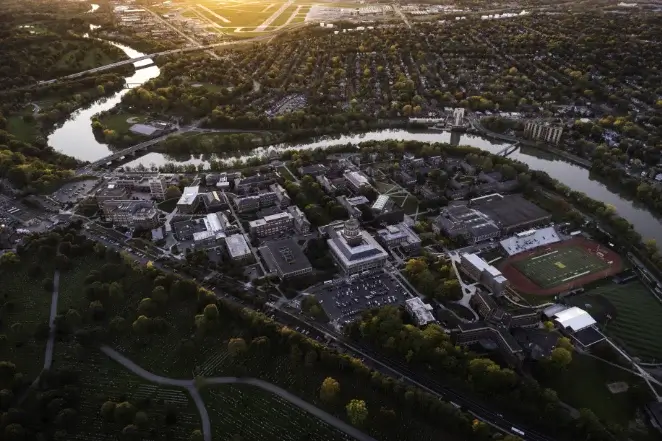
(560, 267)
(629, 313)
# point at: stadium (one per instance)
(541, 263)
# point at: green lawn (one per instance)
(584, 384)
(284, 172)
(22, 130)
(636, 316)
(553, 268)
(119, 122)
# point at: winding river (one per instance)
(75, 138)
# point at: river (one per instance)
(75, 138)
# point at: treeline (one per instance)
(431, 350)
(32, 167)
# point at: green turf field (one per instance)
(560, 266)
(635, 316)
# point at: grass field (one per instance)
(560, 266)
(592, 392)
(636, 316)
(25, 131)
(119, 122)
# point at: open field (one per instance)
(636, 316)
(560, 267)
(120, 122)
(592, 391)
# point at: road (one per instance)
(190, 386)
(50, 344)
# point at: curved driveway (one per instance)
(264, 385)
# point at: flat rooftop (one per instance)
(510, 210)
(285, 256)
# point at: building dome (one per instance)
(351, 232)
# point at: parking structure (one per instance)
(343, 299)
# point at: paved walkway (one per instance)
(50, 344)
(264, 385)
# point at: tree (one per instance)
(237, 347)
(211, 312)
(141, 420)
(357, 412)
(565, 343)
(141, 325)
(159, 295)
(124, 413)
(196, 435)
(173, 192)
(14, 432)
(329, 390)
(108, 410)
(561, 357)
(549, 325)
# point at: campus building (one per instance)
(112, 192)
(420, 312)
(158, 187)
(189, 201)
(511, 213)
(475, 332)
(466, 222)
(299, 219)
(260, 180)
(356, 180)
(131, 214)
(214, 229)
(271, 225)
(238, 248)
(354, 250)
(399, 235)
(575, 323)
(483, 272)
(285, 258)
(543, 131)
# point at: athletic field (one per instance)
(560, 266)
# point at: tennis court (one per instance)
(560, 266)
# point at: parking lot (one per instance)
(74, 191)
(343, 301)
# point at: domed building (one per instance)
(355, 250)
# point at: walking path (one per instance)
(50, 344)
(264, 385)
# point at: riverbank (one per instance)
(585, 163)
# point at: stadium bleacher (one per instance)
(528, 240)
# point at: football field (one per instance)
(560, 266)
